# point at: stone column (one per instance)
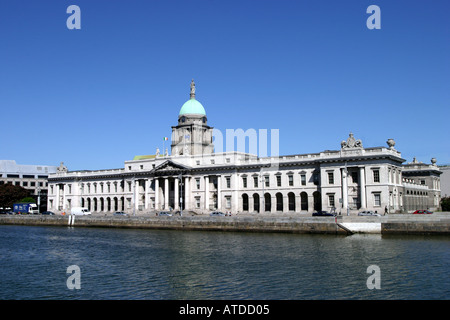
(344, 190)
(362, 187)
(207, 193)
(136, 194)
(311, 203)
(273, 201)
(64, 197)
(187, 194)
(156, 194)
(298, 204)
(166, 193)
(285, 203)
(57, 196)
(147, 187)
(176, 196)
(251, 203)
(219, 193)
(235, 186)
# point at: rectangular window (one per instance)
(331, 200)
(228, 181)
(228, 202)
(278, 181)
(197, 202)
(376, 175)
(255, 182)
(316, 178)
(291, 180)
(377, 199)
(355, 177)
(197, 181)
(244, 182)
(330, 178)
(303, 177)
(267, 181)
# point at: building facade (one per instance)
(195, 178)
(31, 177)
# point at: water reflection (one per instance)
(150, 264)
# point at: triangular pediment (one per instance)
(170, 166)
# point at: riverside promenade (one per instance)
(433, 224)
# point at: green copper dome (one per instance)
(192, 106)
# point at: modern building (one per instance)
(195, 178)
(31, 177)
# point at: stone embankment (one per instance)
(437, 223)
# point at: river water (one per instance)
(156, 264)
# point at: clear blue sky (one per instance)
(98, 96)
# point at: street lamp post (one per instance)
(39, 199)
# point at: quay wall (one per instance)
(206, 223)
(343, 225)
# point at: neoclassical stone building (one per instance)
(195, 178)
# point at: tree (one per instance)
(445, 204)
(10, 194)
(27, 200)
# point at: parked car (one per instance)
(422, 212)
(164, 213)
(120, 213)
(369, 213)
(50, 213)
(322, 214)
(217, 214)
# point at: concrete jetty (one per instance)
(437, 223)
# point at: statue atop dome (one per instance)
(192, 89)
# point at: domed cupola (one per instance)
(192, 109)
(192, 135)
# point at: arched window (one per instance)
(291, 198)
(267, 202)
(279, 197)
(304, 201)
(244, 202)
(256, 202)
